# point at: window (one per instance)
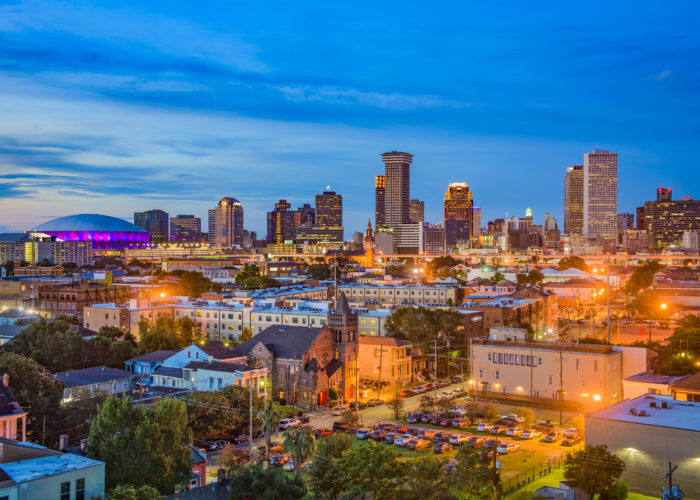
(489, 356)
(65, 491)
(511, 359)
(578, 365)
(80, 489)
(500, 358)
(495, 358)
(498, 374)
(550, 380)
(211, 383)
(220, 383)
(595, 365)
(539, 361)
(481, 373)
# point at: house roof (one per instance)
(152, 357)
(283, 341)
(333, 366)
(167, 371)
(91, 376)
(653, 378)
(677, 414)
(37, 468)
(8, 402)
(216, 366)
(387, 341)
(690, 383)
(197, 456)
(217, 350)
(10, 331)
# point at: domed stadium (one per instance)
(103, 231)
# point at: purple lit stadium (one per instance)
(106, 233)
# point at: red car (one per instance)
(322, 431)
(446, 423)
(401, 429)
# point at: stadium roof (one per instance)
(88, 222)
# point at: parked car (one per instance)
(460, 423)
(457, 379)
(476, 441)
(322, 432)
(491, 444)
(498, 429)
(515, 417)
(484, 427)
(279, 460)
(514, 432)
(418, 444)
(402, 440)
(363, 433)
(401, 429)
(218, 445)
(508, 448)
(505, 421)
(427, 433)
(407, 393)
(415, 418)
(289, 466)
(544, 427)
(340, 410)
(413, 431)
(442, 436)
(572, 440)
(532, 434)
(552, 437)
(241, 438)
(446, 422)
(360, 405)
(390, 436)
(379, 435)
(458, 439)
(386, 427)
(442, 447)
(341, 427)
(305, 418)
(426, 418)
(435, 420)
(375, 402)
(449, 468)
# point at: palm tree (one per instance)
(270, 423)
(299, 441)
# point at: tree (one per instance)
(573, 261)
(498, 276)
(207, 419)
(373, 471)
(38, 395)
(250, 278)
(299, 442)
(161, 335)
(265, 484)
(149, 446)
(51, 344)
(396, 403)
(489, 411)
(319, 272)
(425, 479)
(473, 477)
(596, 471)
(245, 334)
(186, 331)
(535, 277)
(527, 414)
(194, 283)
(326, 475)
(643, 276)
(145, 492)
(270, 419)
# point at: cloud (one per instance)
(662, 75)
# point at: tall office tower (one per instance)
(459, 213)
(379, 191)
(211, 232)
(155, 222)
(640, 218)
(550, 223)
(305, 214)
(476, 222)
(397, 188)
(416, 211)
(328, 228)
(185, 228)
(666, 220)
(664, 194)
(228, 223)
(625, 221)
(280, 224)
(600, 195)
(573, 200)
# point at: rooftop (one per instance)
(283, 341)
(153, 357)
(88, 222)
(28, 470)
(91, 376)
(677, 415)
(384, 341)
(653, 378)
(216, 366)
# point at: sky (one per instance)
(116, 107)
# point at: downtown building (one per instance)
(573, 200)
(327, 228)
(185, 228)
(458, 208)
(666, 220)
(226, 223)
(600, 195)
(155, 222)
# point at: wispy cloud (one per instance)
(662, 75)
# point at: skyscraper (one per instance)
(155, 222)
(397, 188)
(600, 195)
(459, 213)
(280, 223)
(573, 200)
(305, 214)
(185, 228)
(476, 222)
(328, 228)
(211, 234)
(416, 211)
(228, 224)
(666, 220)
(379, 191)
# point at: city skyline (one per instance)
(99, 112)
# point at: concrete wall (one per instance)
(646, 451)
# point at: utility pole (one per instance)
(672, 493)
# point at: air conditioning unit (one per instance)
(652, 404)
(664, 404)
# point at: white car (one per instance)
(530, 434)
(508, 448)
(401, 441)
(484, 427)
(340, 410)
(288, 422)
(515, 417)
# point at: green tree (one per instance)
(643, 276)
(573, 261)
(373, 471)
(250, 278)
(535, 277)
(194, 283)
(51, 344)
(259, 483)
(145, 492)
(396, 403)
(149, 446)
(207, 419)
(596, 471)
(498, 276)
(489, 411)
(425, 479)
(161, 335)
(245, 335)
(299, 442)
(319, 272)
(110, 332)
(186, 332)
(326, 475)
(270, 419)
(527, 414)
(473, 477)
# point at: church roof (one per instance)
(342, 306)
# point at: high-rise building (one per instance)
(691, 240)
(667, 220)
(476, 222)
(640, 218)
(416, 211)
(459, 213)
(155, 222)
(379, 197)
(228, 223)
(625, 220)
(185, 228)
(550, 223)
(573, 200)
(280, 224)
(664, 194)
(434, 239)
(305, 214)
(600, 195)
(397, 188)
(211, 234)
(328, 227)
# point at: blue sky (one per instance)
(115, 107)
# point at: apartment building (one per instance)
(385, 359)
(507, 363)
(416, 295)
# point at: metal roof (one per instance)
(89, 222)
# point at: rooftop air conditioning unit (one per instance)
(652, 404)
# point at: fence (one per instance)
(530, 474)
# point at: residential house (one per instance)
(94, 380)
(11, 413)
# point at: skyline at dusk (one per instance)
(174, 106)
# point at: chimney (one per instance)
(6, 380)
(63, 442)
(220, 476)
(83, 445)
